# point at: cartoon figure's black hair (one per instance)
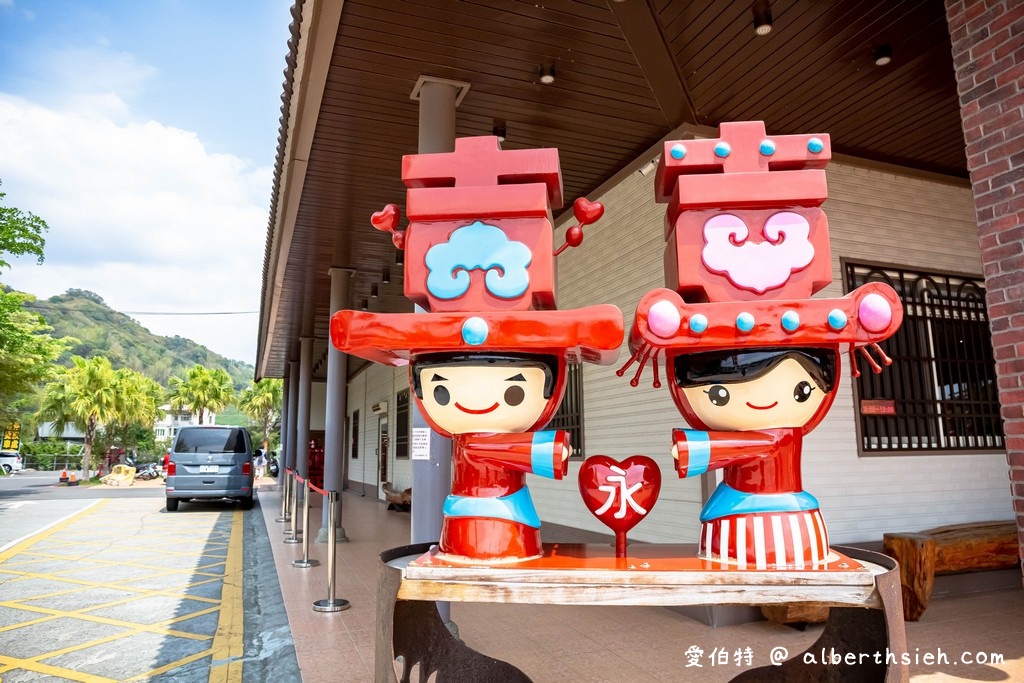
(548, 363)
(732, 365)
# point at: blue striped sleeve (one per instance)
(699, 449)
(542, 454)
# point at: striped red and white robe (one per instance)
(759, 517)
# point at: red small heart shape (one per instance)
(586, 211)
(386, 219)
(620, 494)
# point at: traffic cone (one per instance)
(63, 476)
(73, 480)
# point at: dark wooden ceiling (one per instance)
(627, 73)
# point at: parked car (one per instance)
(10, 462)
(210, 462)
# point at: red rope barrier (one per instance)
(318, 489)
(299, 479)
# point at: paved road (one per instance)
(100, 584)
(30, 501)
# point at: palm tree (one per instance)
(138, 405)
(202, 389)
(83, 395)
(261, 401)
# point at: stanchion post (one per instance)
(285, 479)
(305, 561)
(331, 604)
(293, 534)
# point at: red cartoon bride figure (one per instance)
(752, 361)
(488, 358)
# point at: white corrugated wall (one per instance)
(372, 385)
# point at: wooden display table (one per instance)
(862, 587)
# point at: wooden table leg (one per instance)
(412, 638)
(863, 639)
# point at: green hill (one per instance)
(102, 331)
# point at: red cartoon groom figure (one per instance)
(752, 361)
(488, 358)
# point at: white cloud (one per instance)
(139, 213)
(94, 80)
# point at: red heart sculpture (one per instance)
(586, 211)
(620, 494)
(386, 219)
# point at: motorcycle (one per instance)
(148, 471)
(273, 467)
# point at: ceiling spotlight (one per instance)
(399, 258)
(366, 304)
(547, 74)
(374, 291)
(762, 18)
(883, 54)
(498, 129)
(385, 276)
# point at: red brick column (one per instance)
(987, 38)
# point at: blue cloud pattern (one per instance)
(478, 246)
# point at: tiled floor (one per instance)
(559, 643)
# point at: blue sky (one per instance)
(144, 132)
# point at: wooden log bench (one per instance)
(950, 549)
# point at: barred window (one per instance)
(940, 393)
(570, 414)
(402, 428)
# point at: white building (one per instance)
(167, 427)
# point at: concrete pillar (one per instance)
(335, 459)
(283, 448)
(987, 36)
(293, 410)
(437, 116)
(302, 418)
(431, 479)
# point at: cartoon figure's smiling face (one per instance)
(785, 396)
(501, 397)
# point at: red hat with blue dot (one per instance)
(479, 258)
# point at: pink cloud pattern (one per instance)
(757, 266)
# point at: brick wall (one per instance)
(987, 36)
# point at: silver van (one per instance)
(210, 462)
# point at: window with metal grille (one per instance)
(570, 414)
(355, 435)
(940, 392)
(402, 428)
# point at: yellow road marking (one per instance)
(131, 625)
(140, 592)
(227, 646)
(80, 584)
(219, 560)
(127, 545)
(39, 667)
(49, 531)
(228, 643)
(59, 575)
(171, 665)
